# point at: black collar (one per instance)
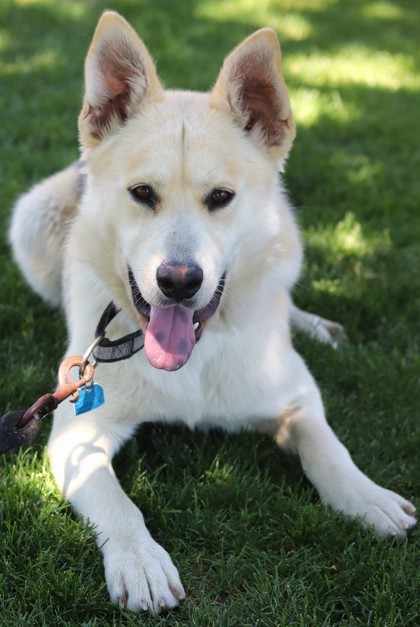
(106, 350)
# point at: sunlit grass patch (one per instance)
(348, 237)
(76, 8)
(355, 64)
(383, 10)
(309, 105)
(289, 24)
(42, 61)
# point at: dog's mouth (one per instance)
(172, 331)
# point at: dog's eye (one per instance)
(144, 194)
(219, 198)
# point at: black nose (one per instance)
(179, 281)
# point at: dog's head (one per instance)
(182, 187)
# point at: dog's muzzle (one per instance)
(172, 331)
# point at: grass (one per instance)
(253, 543)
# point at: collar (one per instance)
(107, 351)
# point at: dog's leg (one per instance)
(139, 572)
(39, 227)
(328, 465)
(319, 328)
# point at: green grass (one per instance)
(253, 543)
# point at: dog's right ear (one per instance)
(119, 77)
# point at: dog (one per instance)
(176, 214)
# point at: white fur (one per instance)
(244, 372)
(38, 230)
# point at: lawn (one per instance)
(252, 541)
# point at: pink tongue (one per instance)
(170, 337)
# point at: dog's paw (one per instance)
(141, 576)
(316, 327)
(388, 513)
(326, 331)
(382, 510)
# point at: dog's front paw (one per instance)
(388, 513)
(140, 575)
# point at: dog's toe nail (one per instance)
(122, 599)
(409, 509)
(178, 593)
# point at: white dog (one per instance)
(183, 224)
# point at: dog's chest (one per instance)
(226, 384)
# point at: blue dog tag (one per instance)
(89, 398)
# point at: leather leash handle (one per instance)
(20, 427)
(10, 436)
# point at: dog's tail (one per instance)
(39, 228)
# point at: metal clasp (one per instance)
(66, 385)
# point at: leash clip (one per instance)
(85, 359)
(66, 385)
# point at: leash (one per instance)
(20, 427)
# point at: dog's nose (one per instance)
(179, 281)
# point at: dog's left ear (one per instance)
(251, 86)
